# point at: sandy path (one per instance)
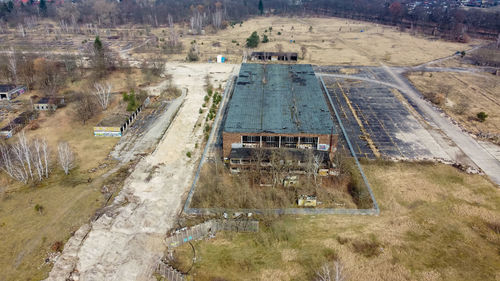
(126, 242)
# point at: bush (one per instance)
(39, 208)
(279, 32)
(57, 246)
(482, 116)
(265, 39)
(193, 54)
(253, 40)
(188, 154)
(368, 249)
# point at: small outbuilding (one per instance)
(17, 124)
(49, 103)
(9, 91)
(112, 126)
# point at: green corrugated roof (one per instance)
(278, 98)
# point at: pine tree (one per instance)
(261, 7)
(253, 40)
(43, 7)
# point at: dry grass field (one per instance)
(436, 223)
(68, 201)
(331, 41)
(463, 96)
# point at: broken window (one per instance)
(270, 141)
(290, 142)
(250, 139)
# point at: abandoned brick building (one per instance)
(277, 106)
(274, 56)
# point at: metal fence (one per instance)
(169, 272)
(208, 228)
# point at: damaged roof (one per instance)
(276, 98)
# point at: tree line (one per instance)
(444, 16)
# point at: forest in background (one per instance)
(443, 17)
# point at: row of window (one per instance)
(276, 139)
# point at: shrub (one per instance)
(39, 208)
(200, 111)
(206, 98)
(482, 116)
(330, 254)
(368, 249)
(253, 40)
(188, 154)
(57, 246)
(279, 32)
(265, 39)
(193, 54)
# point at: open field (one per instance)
(28, 236)
(436, 223)
(462, 96)
(331, 41)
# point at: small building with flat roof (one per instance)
(9, 92)
(112, 126)
(49, 103)
(277, 106)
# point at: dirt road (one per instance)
(127, 241)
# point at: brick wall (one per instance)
(230, 138)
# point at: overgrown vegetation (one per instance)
(431, 223)
(259, 188)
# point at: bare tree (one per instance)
(280, 164)
(23, 160)
(327, 273)
(196, 22)
(217, 16)
(66, 157)
(21, 29)
(102, 94)
(10, 164)
(85, 107)
(40, 158)
(303, 49)
(279, 48)
(12, 64)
